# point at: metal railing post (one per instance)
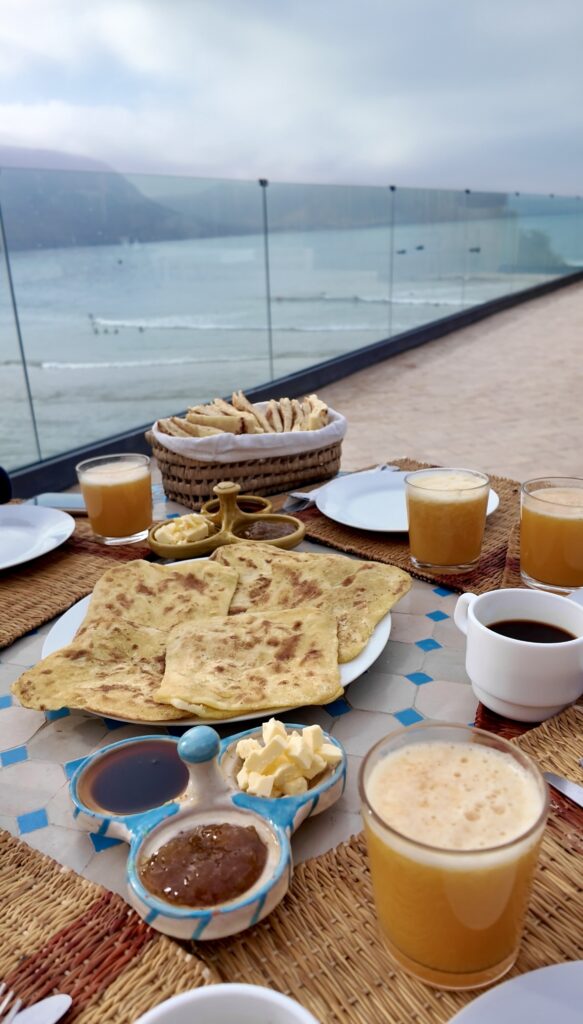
(4, 243)
(263, 182)
(392, 189)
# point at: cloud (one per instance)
(439, 92)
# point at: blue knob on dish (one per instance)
(199, 749)
(199, 745)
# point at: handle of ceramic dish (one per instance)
(199, 749)
(460, 615)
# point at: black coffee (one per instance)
(531, 631)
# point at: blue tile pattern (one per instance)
(13, 756)
(32, 821)
(112, 724)
(101, 843)
(437, 616)
(419, 678)
(71, 766)
(442, 591)
(338, 707)
(428, 645)
(52, 716)
(5, 701)
(408, 716)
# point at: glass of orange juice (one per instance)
(118, 496)
(446, 510)
(453, 818)
(551, 533)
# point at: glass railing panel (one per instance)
(329, 258)
(489, 247)
(18, 443)
(549, 238)
(427, 258)
(137, 296)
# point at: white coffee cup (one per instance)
(520, 679)
(227, 1004)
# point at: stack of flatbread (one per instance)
(255, 628)
(240, 416)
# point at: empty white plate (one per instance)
(551, 994)
(373, 500)
(28, 531)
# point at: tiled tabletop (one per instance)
(419, 676)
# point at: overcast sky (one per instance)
(484, 94)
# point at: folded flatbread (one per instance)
(115, 664)
(161, 595)
(113, 670)
(252, 662)
(358, 593)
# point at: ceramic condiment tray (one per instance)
(229, 522)
(205, 793)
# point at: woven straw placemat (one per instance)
(394, 548)
(60, 932)
(322, 947)
(34, 593)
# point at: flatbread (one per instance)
(252, 662)
(112, 669)
(115, 664)
(161, 596)
(358, 593)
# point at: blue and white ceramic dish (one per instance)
(211, 796)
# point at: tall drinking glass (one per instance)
(118, 496)
(446, 509)
(551, 533)
(453, 818)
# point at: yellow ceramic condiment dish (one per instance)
(231, 524)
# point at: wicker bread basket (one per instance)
(191, 482)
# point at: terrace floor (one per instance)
(504, 395)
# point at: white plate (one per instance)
(67, 625)
(551, 994)
(27, 532)
(373, 500)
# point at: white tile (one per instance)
(126, 732)
(18, 725)
(447, 633)
(447, 701)
(60, 809)
(8, 675)
(108, 868)
(358, 731)
(29, 785)
(446, 663)
(410, 628)
(67, 846)
(399, 659)
(8, 823)
(26, 651)
(318, 835)
(349, 802)
(421, 600)
(378, 691)
(67, 738)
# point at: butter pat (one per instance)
(184, 530)
(284, 764)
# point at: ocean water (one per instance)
(116, 336)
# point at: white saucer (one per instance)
(551, 995)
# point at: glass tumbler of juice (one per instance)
(118, 496)
(446, 509)
(453, 818)
(551, 534)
